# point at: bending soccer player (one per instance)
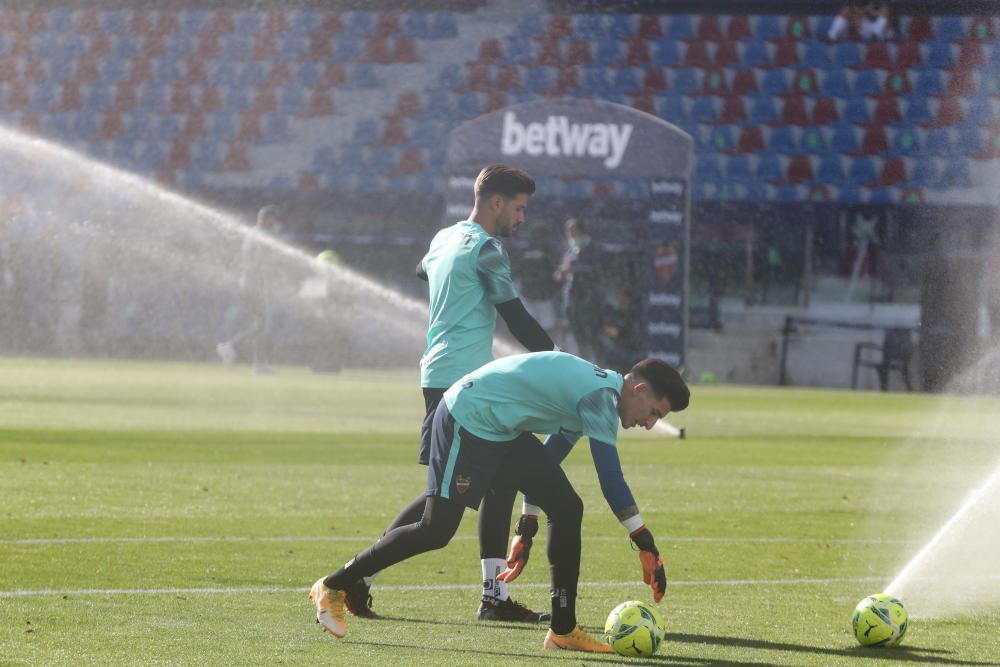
(482, 439)
(469, 277)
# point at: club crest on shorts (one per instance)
(462, 483)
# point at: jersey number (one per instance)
(601, 373)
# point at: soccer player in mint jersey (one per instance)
(469, 279)
(482, 439)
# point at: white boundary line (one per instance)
(418, 587)
(335, 538)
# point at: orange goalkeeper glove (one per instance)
(653, 572)
(520, 547)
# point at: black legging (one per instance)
(527, 468)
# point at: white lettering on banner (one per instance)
(667, 187)
(665, 299)
(669, 217)
(664, 329)
(671, 358)
(461, 182)
(457, 210)
(558, 137)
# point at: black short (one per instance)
(431, 399)
(463, 467)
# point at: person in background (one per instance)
(579, 274)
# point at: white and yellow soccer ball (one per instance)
(634, 628)
(880, 620)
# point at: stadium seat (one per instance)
(804, 82)
(800, 170)
(654, 80)
(856, 111)
(886, 111)
(696, 55)
(825, 112)
(960, 82)
(751, 139)
(644, 102)
(940, 55)
(672, 108)
(955, 174)
(416, 24)
(862, 171)
(905, 142)
(762, 109)
(793, 111)
(893, 173)
(876, 57)
(812, 141)
(713, 82)
(897, 82)
(950, 28)
(866, 83)
(709, 28)
(916, 110)
(949, 112)
(220, 126)
(923, 172)
(982, 29)
(980, 110)
(625, 81)
(769, 27)
(787, 193)
(769, 168)
(362, 76)
(679, 26)
(797, 27)
(666, 52)
(577, 53)
(971, 54)
(745, 82)
(738, 27)
(348, 47)
(589, 26)
(621, 26)
(737, 169)
(567, 83)
(539, 80)
(733, 110)
(782, 140)
(637, 53)
(969, 141)
(928, 82)
(830, 170)
(721, 139)
(937, 142)
(845, 139)
(775, 82)
(816, 54)
(685, 81)
(444, 25)
(909, 55)
(846, 54)
(649, 27)
(707, 169)
(874, 141)
(727, 54)
(786, 53)
(756, 53)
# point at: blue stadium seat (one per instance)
(949, 28)
(622, 26)
(532, 24)
(168, 127)
(359, 22)
(787, 193)
(862, 170)
(817, 54)
(180, 45)
(856, 111)
(253, 73)
(152, 97)
(769, 168)
(762, 109)
(444, 25)
(955, 174)
(292, 48)
(126, 47)
(923, 172)
(382, 160)
(768, 26)
(625, 82)
(468, 105)
(590, 26)
(928, 82)
(938, 142)
(834, 83)
(881, 196)
(671, 108)
(519, 49)
(122, 152)
(666, 52)
(352, 153)
(366, 131)
(305, 21)
(325, 159)
(782, 140)
(308, 74)
(905, 141)
(539, 79)
(347, 47)
(236, 47)
(845, 139)
(362, 76)
(916, 111)
(775, 82)
(703, 110)
(98, 98)
(235, 98)
(426, 132)
(737, 168)
(136, 126)
(994, 58)
(721, 138)
(451, 77)
(706, 168)
(86, 124)
(220, 126)
(756, 53)
(221, 73)
(44, 96)
(62, 68)
(847, 54)
(151, 154)
(247, 22)
(205, 156)
(58, 126)
(60, 21)
(594, 81)
(939, 55)
(812, 141)
(437, 103)
(679, 26)
(292, 99)
(194, 21)
(274, 128)
(607, 52)
(969, 141)
(866, 83)
(830, 170)
(685, 81)
(115, 71)
(980, 110)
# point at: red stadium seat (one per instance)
(179, 154)
(210, 99)
(31, 123)
(508, 78)
(405, 50)
(320, 47)
(638, 53)
(194, 127)
(490, 50)
(250, 130)
(654, 80)
(644, 102)
(9, 70)
(825, 111)
(709, 29)
(221, 23)
(920, 28)
(408, 103)
(893, 172)
(36, 21)
(180, 100)
(786, 53)
(909, 54)
(333, 75)
(982, 29)
(141, 23)
(111, 126)
(276, 21)
(876, 57)
(393, 132)
(71, 98)
(800, 170)
(279, 74)
(479, 78)
(87, 20)
(377, 50)
(549, 53)
(696, 55)
(745, 81)
(236, 157)
(733, 111)
(649, 26)
(804, 82)
(560, 25)
(886, 111)
(739, 27)
(714, 82)
(567, 81)
(874, 141)
(386, 25)
(971, 54)
(949, 112)
(264, 46)
(10, 21)
(751, 139)
(320, 104)
(578, 53)
(960, 82)
(34, 71)
(125, 97)
(495, 99)
(410, 162)
(265, 101)
(793, 111)
(897, 82)
(210, 47)
(727, 54)
(331, 25)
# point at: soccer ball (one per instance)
(634, 628)
(879, 620)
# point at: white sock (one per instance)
(493, 587)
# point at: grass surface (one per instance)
(176, 514)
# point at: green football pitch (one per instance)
(177, 514)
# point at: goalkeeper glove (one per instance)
(520, 547)
(653, 572)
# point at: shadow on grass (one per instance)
(895, 654)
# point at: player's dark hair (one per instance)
(499, 179)
(665, 381)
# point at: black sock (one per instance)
(563, 611)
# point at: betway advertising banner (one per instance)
(574, 138)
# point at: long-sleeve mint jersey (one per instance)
(468, 273)
(551, 393)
